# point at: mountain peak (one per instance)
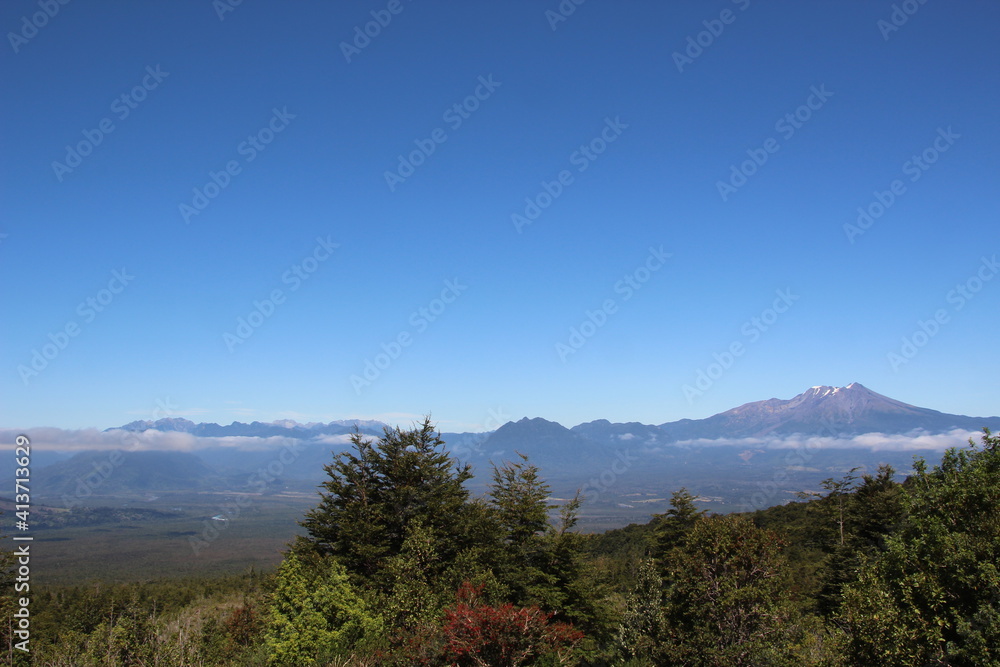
(164, 424)
(537, 423)
(541, 436)
(826, 390)
(821, 410)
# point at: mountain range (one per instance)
(283, 428)
(721, 457)
(818, 411)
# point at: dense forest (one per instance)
(401, 565)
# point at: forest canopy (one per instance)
(400, 565)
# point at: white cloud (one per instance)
(334, 439)
(913, 441)
(55, 439)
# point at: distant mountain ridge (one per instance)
(556, 442)
(120, 472)
(282, 428)
(818, 411)
(736, 459)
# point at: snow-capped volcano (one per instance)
(822, 410)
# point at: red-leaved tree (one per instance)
(504, 636)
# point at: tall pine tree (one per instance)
(377, 490)
(671, 528)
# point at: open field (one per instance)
(188, 542)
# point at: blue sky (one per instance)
(639, 137)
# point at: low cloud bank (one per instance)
(91, 439)
(62, 440)
(913, 441)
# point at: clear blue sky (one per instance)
(886, 95)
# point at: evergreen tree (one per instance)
(415, 598)
(315, 614)
(871, 512)
(832, 510)
(519, 495)
(8, 606)
(377, 490)
(643, 624)
(933, 595)
(726, 601)
(126, 637)
(540, 563)
(566, 590)
(877, 508)
(671, 527)
(517, 499)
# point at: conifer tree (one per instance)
(672, 527)
(8, 598)
(933, 595)
(726, 602)
(519, 495)
(642, 626)
(871, 512)
(315, 613)
(415, 599)
(377, 489)
(518, 502)
(541, 563)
